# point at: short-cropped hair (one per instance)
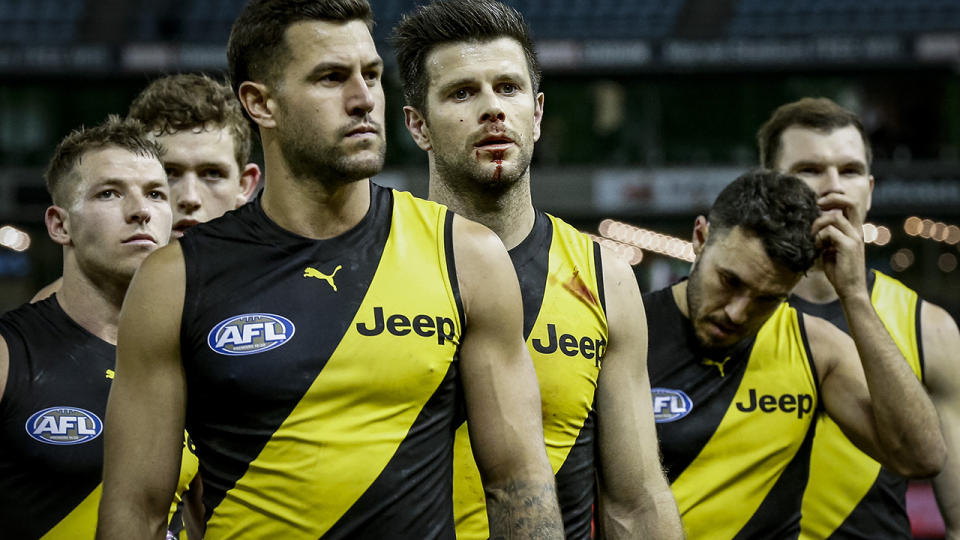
(820, 114)
(451, 21)
(777, 208)
(257, 49)
(127, 134)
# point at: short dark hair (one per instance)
(256, 50)
(451, 21)
(193, 101)
(820, 114)
(128, 134)
(777, 208)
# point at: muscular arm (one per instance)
(635, 498)
(896, 419)
(145, 412)
(941, 352)
(877, 401)
(501, 392)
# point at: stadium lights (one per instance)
(932, 230)
(13, 238)
(630, 253)
(901, 260)
(647, 240)
(876, 234)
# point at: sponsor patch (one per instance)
(250, 333)
(670, 405)
(64, 425)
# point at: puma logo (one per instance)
(718, 365)
(314, 273)
(110, 374)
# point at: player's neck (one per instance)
(680, 297)
(312, 208)
(507, 213)
(815, 287)
(93, 304)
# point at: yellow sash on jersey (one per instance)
(367, 396)
(840, 474)
(567, 375)
(723, 487)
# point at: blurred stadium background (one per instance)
(651, 107)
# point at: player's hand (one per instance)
(839, 233)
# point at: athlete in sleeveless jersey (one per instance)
(849, 494)
(473, 104)
(738, 374)
(828, 148)
(735, 432)
(51, 421)
(561, 281)
(323, 377)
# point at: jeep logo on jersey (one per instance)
(64, 425)
(570, 345)
(670, 405)
(800, 404)
(251, 333)
(400, 325)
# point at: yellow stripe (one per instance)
(81, 522)
(567, 384)
(840, 474)
(352, 419)
(724, 486)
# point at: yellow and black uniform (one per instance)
(322, 375)
(849, 495)
(51, 424)
(561, 282)
(735, 427)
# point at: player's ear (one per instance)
(256, 100)
(58, 225)
(869, 195)
(249, 180)
(417, 126)
(701, 231)
(537, 116)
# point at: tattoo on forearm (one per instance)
(521, 510)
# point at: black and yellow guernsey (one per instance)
(51, 425)
(322, 375)
(849, 495)
(565, 326)
(735, 428)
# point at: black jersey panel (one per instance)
(51, 417)
(675, 362)
(576, 487)
(248, 274)
(531, 261)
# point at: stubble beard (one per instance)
(694, 303)
(309, 158)
(465, 174)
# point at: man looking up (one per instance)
(471, 80)
(739, 376)
(57, 356)
(850, 495)
(323, 401)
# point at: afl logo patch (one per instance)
(250, 333)
(64, 425)
(670, 405)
